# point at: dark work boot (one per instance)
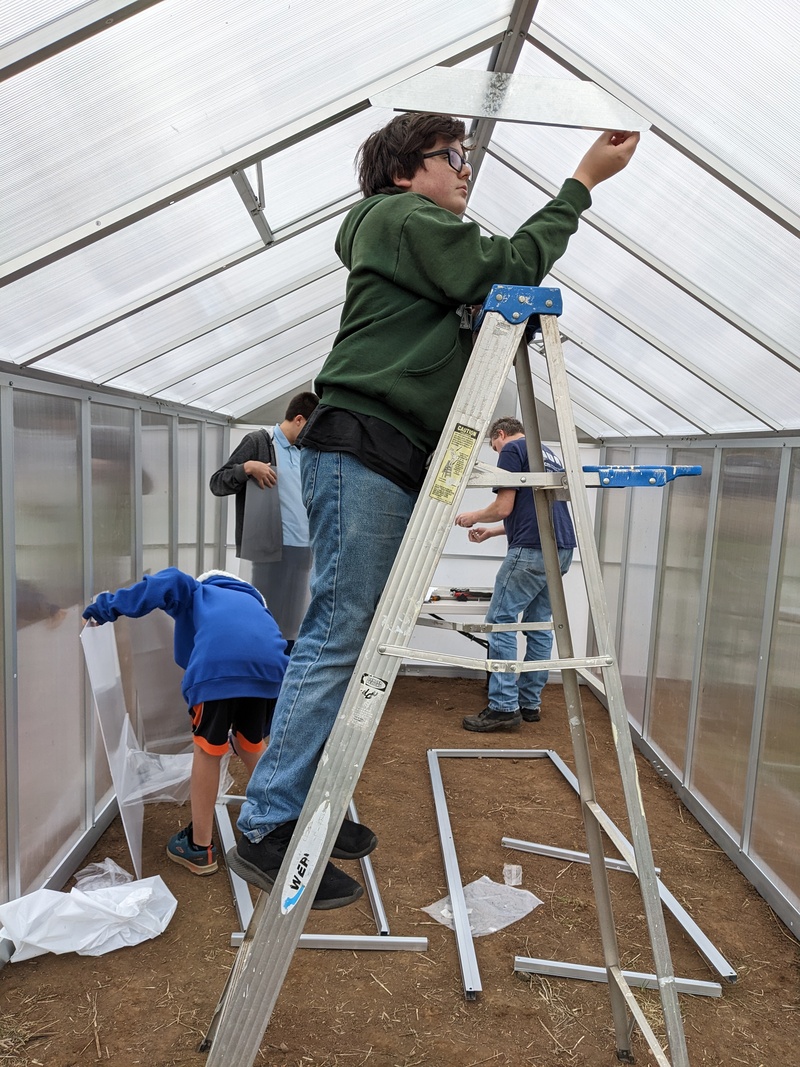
(489, 720)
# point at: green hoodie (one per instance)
(400, 351)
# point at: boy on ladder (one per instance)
(386, 388)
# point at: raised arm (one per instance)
(609, 154)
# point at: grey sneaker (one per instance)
(530, 714)
(489, 720)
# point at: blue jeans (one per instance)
(357, 520)
(521, 587)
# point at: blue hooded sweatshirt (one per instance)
(226, 640)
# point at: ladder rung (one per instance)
(621, 843)
(494, 666)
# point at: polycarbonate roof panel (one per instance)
(187, 305)
(254, 385)
(318, 170)
(189, 81)
(609, 419)
(215, 356)
(623, 394)
(727, 74)
(684, 216)
(18, 17)
(233, 364)
(125, 266)
(216, 300)
(643, 296)
(609, 340)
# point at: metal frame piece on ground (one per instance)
(383, 941)
(464, 941)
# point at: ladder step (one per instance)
(495, 666)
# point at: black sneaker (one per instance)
(354, 841)
(259, 865)
(530, 714)
(489, 720)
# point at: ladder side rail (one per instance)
(252, 999)
(569, 678)
(616, 702)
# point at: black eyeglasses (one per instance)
(454, 158)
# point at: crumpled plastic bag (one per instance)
(101, 875)
(89, 923)
(490, 906)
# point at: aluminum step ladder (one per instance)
(238, 1027)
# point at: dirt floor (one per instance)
(152, 1003)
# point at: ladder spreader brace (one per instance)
(275, 932)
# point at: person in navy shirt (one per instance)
(521, 585)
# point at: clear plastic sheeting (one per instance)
(490, 906)
(90, 923)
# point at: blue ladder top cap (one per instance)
(516, 303)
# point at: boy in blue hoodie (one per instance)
(234, 658)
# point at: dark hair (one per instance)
(302, 404)
(506, 425)
(396, 150)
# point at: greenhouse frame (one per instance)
(175, 175)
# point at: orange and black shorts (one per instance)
(244, 717)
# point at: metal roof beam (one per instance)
(503, 61)
(64, 32)
(254, 203)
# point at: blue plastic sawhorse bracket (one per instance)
(626, 477)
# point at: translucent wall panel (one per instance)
(644, 519)
(49, 557)
(4, 891)
(188, 499)
(777, 801)
(157, 474)
(213, 504)
(679, 607)
(112, 497)
(734, 621)
(113, 530)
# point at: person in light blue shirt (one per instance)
(279, 549)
